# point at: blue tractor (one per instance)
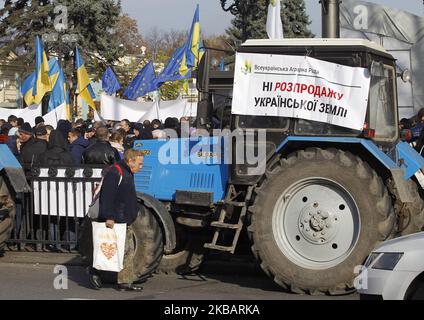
(328, 194)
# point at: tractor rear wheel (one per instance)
(148, 243)
(315, 218)
(187, 256)
(7, 212)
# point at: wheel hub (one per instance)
(317, 225)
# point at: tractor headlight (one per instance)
(387, 261)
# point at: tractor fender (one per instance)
(13, 170)
(164, 218)
(405, 163)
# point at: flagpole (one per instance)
(157, 104)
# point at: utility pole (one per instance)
(330, 10)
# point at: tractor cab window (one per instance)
(382, 114)
(263, 122)
(221, 114)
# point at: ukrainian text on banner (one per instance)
(300, 87)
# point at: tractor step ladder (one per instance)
(221, 225)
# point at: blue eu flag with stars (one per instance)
(171, 72)
(110, 83)
(143, 83)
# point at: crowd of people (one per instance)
(80, 142)
(73, 144)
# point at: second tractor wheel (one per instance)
(315, 218)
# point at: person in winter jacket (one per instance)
(101, 152)
(31, 148)
(57, 151)
(64, 126)
(117, 141)
(118, 204)
(142, 133)
(77, 144)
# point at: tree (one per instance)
(91, 25)
(250, 19)
(219, 42)
(162, 45)
(295, 20)
(128, 35)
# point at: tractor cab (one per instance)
(381, 118)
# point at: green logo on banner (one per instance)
(247, 67)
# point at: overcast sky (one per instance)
(177, 14)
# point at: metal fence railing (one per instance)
(49, 217)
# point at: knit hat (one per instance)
(38, 120)
(26, 128)
(41, 131)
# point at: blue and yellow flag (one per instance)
(59, 94)
(26, 89)
(54, 71)
(42, 81)
(84, 87)
(191, 54)
(171, 72)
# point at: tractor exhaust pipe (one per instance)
(330, 18)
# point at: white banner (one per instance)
(117, 109)
(176, 109)
(28, 114)
(53, 117)
(300, 87)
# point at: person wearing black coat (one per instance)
(57, 154)
(57, 151)
(118, 204)
(64, 126)
(142, 133)
(77, 145)
(31, 148)
(101, 152)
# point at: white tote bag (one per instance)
(109, 246)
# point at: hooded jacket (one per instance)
(32, 150)
(100, 153)
(77, 148)
(57, 151)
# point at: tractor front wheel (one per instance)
(7, 214)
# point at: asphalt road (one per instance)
(37, 280)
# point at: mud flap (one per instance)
(402, 185)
